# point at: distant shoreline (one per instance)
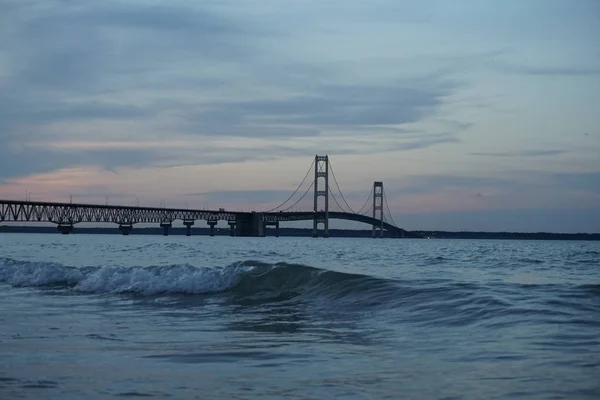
(303, 232)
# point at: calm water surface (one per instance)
(95, 317)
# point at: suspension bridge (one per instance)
(317, 201)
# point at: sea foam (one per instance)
(185, 279)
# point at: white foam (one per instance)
(109, 279)
(36, 273)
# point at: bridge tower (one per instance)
(321, 216)
(378, 207)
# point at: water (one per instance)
(297, 318)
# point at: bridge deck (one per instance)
(73, 213)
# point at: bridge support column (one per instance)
(188, 226)
(321, 171)
(378, 206)
(166, 226)
(267, 224)
(65, 229)
(231, 228)
(250, 224)
(212, 225)
(125, 229)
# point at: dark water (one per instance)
(111, 316)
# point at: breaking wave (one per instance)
(173, 279)
(252, 279)
(430, 302)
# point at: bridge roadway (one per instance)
(65, 215)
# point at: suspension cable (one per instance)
(366, 202)
(336, 202)
(368, 211)
(295, 191)
(340, 190)
(388, 208)
(300, 199)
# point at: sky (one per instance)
(476, 114)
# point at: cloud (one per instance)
(34, 157)
(204, 78)
(70, 62)
(438, 183)
(353, 105)
(347, 107)
(427, 141)
(522, 183)
(30, 161)
(522, 153)
(199, 73)
(69, 52)
(548, 70)
(18, 113)
(158, 17)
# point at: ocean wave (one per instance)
(247, 282)
(242, 278)
(283, 281)
(173, 279)
(251, 282)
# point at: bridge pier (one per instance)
(65, 229)
(166, 226)
(188, 225)
(321, 217)
(275, 224)
(325, 228)
(125, 229)
(232, 225)
(212, 225)
(316, 234)
(249, 224)
(375, 231)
